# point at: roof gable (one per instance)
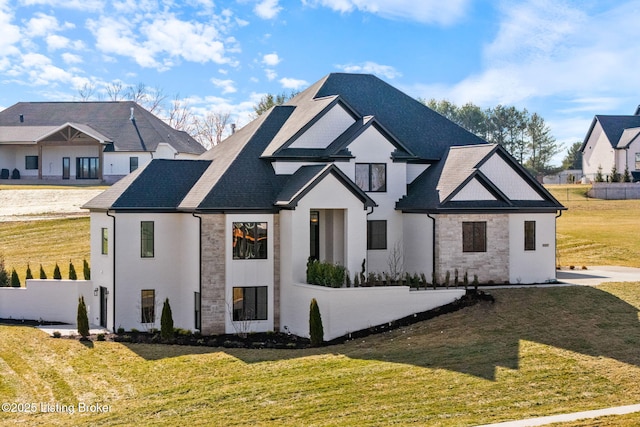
(307, 177)
(613, 127)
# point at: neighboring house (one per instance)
(612, 141)
(350, 170)
(101, 141)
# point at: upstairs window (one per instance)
(371, 177)
(474, 236)
(133, 163)
(638, 161)
(147, 239)
(249, 240)
(529, 235)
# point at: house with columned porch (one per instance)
(85, 141)
(351, 172)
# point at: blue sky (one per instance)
(566, 60)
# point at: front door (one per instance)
(103, 306)
(66, 167)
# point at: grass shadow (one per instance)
(479, 339)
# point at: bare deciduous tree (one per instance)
(115, 90)
(86, 91)
(210, 128)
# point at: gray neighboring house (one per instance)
(88, 141)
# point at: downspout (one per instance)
(555, 224)
(199, 265)
(367, 257)
(433, 245)
(114, 271)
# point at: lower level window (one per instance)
(31, 162)
(377, 234)
(148, 306)
(87, 167)
(474, 236)
(529, 235)
(250, 303)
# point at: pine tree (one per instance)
(599, 176)
(82, 318)
(29, 275)
(316, 331)
(626, 176)
(43, 275)
(86, 270)
(615, 175)
(15, 280)
(72, 272)
(56, 272)
(166, 321)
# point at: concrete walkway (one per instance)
(68, 330)
(619, 410)
(599, 274)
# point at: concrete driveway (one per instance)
(599, 274)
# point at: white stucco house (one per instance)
(612, 141)
(85, 141)
(350, 170)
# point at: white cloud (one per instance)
(71, 58)
(84, 5)
(55, 42)
(41, 25)
(271, 59)
(10, 34)
(425, 11)
(271, 74)
(267, 9)
(227, 85)
(369, 67)
(294, 84)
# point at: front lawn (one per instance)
(534, 352)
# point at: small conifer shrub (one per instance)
(15, 280)
(86, 270)
(43, 275)
(166, 321)
(29, 275)
(72, 272)
(82, 318)
(56, 272)
(316, 331)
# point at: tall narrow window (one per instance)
(146, 239)
(529, 235)
(377, 234)
(250, 303)
(105, 241)
(371, 176)
(638, 161)
(474, 236)
(133, 163)
(249, 240)
(148, 306)
(197, 311)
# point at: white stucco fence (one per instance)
(49, 300)
(346, 310)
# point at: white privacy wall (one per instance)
(346, 310)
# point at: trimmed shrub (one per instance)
(72, 272)
(166, 321)
(43, 275)
(82, 318)
(316, 331)
(86, 270)
(325, 274)
(29, 275)
(15, 280)
(56, 272)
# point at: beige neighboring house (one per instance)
(612, 141)
(85, 141)
(350, 170)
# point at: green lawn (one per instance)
(534, 352)
(596, 232)
(45, 242)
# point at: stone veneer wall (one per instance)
(490, 265)
(212, 297)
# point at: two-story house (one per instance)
(351, 171)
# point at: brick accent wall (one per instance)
(490, 265)
(213, 274)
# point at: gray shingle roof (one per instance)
(110, 119)
(613, 127)
(433, 189)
